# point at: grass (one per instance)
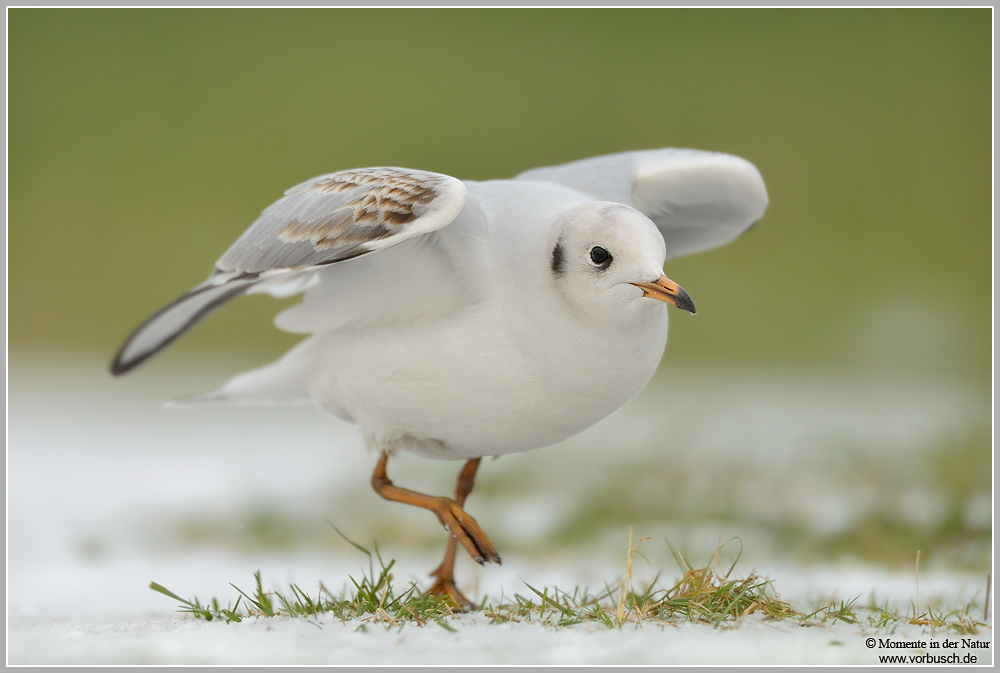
(702, 595)
(373, 599)
(709, 595)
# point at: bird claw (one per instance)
(467, 532)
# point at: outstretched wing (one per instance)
(699, 200)
(325, 220)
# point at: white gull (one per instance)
(460, 319)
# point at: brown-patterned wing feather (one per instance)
(325, 220)
(342, 215)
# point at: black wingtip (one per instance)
(118, 367)
(124, 362)
(121, 366)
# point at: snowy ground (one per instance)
(108, 491)
(107, 616)
(159, 639)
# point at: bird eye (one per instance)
(600, 256)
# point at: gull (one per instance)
(458, 319)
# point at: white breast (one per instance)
(463, 387)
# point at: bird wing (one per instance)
(328, 219)
(698, 200)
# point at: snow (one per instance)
(175, 640)
(106, 491)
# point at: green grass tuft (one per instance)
(709, 595)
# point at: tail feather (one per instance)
(173, 320)
(285, 381)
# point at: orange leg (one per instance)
(445, 573)
(463, 528)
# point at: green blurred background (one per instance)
(143, 142)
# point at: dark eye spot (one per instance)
(600, 257)
(558, 259)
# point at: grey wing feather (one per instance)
(698, 200)
(325, 220)
(170, 322)
(343, 215)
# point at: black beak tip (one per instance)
(684, 302)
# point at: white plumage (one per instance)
(460, 319)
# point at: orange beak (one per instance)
(667, 290)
